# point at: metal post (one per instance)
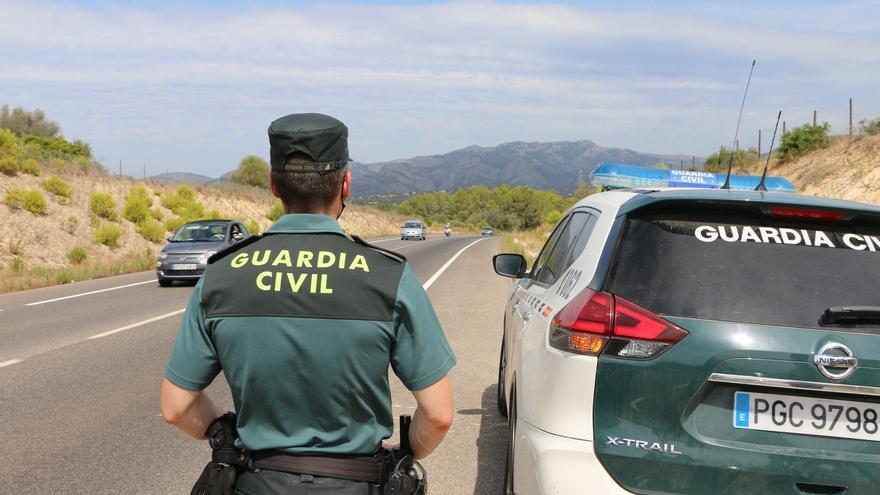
(814, 117)
(783, 128)
(850, 118)
(120, 168)
(736, 148)
(145, 171)
(759, 143)
(693, 161)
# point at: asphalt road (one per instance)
(81, 365)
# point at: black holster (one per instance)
(218, 477)
(404, 478)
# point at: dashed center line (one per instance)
(10, 362)
(135, 325)
(90, 293)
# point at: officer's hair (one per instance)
(307, 191)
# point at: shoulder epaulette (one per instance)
(233, 248)
(387, 252)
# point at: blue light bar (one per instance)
(618, 176)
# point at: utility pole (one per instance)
(120, 168)
(783, 128)
(693, 161)
(814, 118)
(759, 143)
(145, 171)
(850, 118)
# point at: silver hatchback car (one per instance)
(413, 229)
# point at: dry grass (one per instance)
(844, 170)
(38, 245)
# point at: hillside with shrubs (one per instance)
(63, 219)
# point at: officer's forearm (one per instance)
(432, 418)
(425, 435)
(190, 411)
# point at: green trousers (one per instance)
(267, 482)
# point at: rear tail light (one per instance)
(595, 322)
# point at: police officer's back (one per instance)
(304, 322)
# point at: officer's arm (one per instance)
(190, 410)
(432, 418)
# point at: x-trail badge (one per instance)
(835, 361)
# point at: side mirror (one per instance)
(169, 238)
(509, 265)
(237, 236)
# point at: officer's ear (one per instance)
(272, 186)
(346, 184)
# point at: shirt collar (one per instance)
(298, 223)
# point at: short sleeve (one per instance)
(193, 364)
(421, 354)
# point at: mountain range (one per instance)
(560, 165)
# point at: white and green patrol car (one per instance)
(696, 341)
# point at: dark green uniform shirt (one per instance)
(304, 324)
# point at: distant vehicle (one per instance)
(447, 230)
(186, 254)
(412, 229)
(693, 341)
(487, 231)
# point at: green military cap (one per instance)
(321, 137)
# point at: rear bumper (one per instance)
(550, 464)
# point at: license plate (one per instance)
(806, 416)
(184, 266)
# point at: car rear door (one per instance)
(757, 395)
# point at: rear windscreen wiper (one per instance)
(850, 315)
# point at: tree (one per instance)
(252, 171)
(22, 122)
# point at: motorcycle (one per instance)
(447, 231)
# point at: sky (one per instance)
(192, 86)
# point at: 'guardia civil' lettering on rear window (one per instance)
(781, 235)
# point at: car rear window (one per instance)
(741, 268)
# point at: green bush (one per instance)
(870, 127)
(27, 199)
(137, 205)
(77, 255)
(9, 165)
(183, 203)
(801, 140)
(276, 211)
(58, 186)
(56, 147)
(253, 227)
(156, 214)
(719, 161)
(151, 230)
(103, 205)
(107, 234)
(214, 215)
(31, 166)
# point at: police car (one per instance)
(694, 341)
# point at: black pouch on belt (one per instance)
(218, 477)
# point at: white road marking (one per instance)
(90, 293)
(135, 325)
(10, 362)
(443, 268)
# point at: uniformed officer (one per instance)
(304, 322)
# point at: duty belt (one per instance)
(371, 469)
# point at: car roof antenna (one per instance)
(736, 135)
(761, 186)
